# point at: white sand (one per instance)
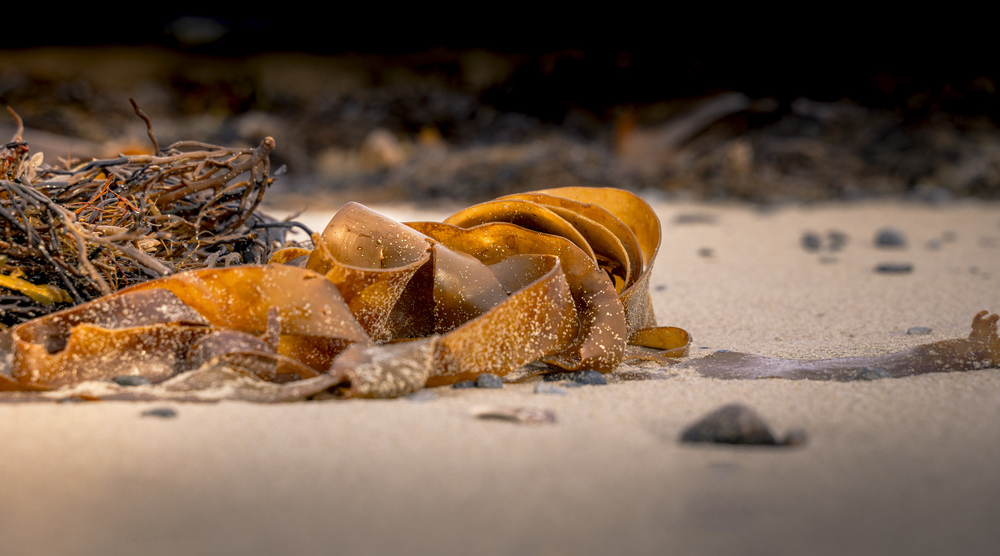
(902, 466)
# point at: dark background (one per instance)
(926, 84)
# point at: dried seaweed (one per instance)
(377, 309)
(78, 230)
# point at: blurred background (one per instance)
(380, 103)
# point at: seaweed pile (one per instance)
(526, 284)
(78, 230)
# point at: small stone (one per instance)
(890, 238)
(556, 377)
(161, 412)
(811, 241)
(705, 252)
(131, 380)
(489, 380)
(894, 268)
(873, 373)
(730, 424)
(548, 388)
(465, 384)
(918, 331)
(837, 239)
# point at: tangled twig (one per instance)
(101, 225)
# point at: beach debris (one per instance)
(489, 380)
(520, 415)
(980, 350)
(161, 412)
(918, 331)
(376, 308)
(890, 238)
(76, 230)
(894, 268)
(736, 424)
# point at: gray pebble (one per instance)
(837, 239)
(873, 373)
(890, 238)
(730, 424)
(918, 331)
(131, 380)
(489, 380)
(548, 388)
(894, 268)
(161, 412)
(811, 241)
(465, 384)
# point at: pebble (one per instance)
(811, 241)
(894, 268)
(837, 239)
(737, 424)
(465, 384)
(131, 380)
(890, 238)
(547, 388)
(161, 412)
(873, 373)
(918, 331)
(489, 380)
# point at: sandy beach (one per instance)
(893, 466)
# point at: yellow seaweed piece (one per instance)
(614, 244)
(538, 320)
(522, 213)
(601, 340)
(316, 324)
(100, 340)
(371, 260)
(40, 293)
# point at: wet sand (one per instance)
(895, 466)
